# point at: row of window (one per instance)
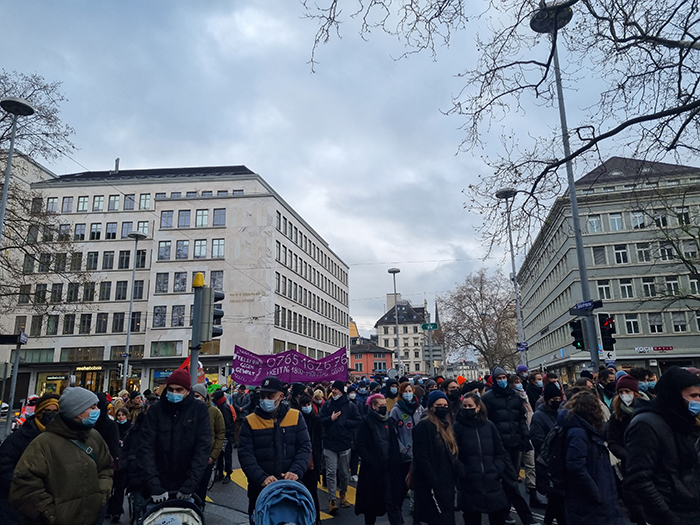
(59, 262)
(660, 322)
(632, 186)
(184, 218)
(72, 295)
(290, 320)
(405, 330)
(80, 232)
(301, 295)
(85, 323)
(645, 252)
(182, 249)
(216, 281)
(392, 343)
(309, 247)
(639, 219)
(651, 287)
(83, 353)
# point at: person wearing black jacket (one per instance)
(129, 463)
(225, 460)
(534, 388)
(662, 467)
(481, 465)
(176, 441)
(14, 446)
(313, 471)
(242, 403)
(115, 505)
(339, 418)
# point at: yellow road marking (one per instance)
(208, 500)
(239, 478)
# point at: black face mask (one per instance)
(46, 417)
(554, 405)
(381, 411)
(469, 412)
(454, 395)
(442, 412)
(610, 388)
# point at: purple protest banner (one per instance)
(290, 366)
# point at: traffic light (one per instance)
(577, 334)
(607, 330)
(130, 371)
(211, 314)
(120, 370)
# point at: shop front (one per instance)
(133, 382)
(90, 377)
(159, 376)
(52, 382)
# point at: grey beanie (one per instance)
(201, 390)
(75, 400)
(497, 371)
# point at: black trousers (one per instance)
(225, 461)
(115, 504)
(495, 518)
(202, 490)
(555, 510)
(310, 481)
(510, 487)
(354, 462)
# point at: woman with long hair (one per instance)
(434, 463)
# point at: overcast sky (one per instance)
(360, 148)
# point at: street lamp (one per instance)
(136, 235)
(508, 194)
(18, 108)
(548, 20)
(393, 272)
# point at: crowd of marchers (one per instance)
(616, 446)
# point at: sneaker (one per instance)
(332, 507)
(353, 478)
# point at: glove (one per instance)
(186, 497)
(160, 498)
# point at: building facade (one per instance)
(640, 229)
(284, 287)
(412, 339)
(367, 359)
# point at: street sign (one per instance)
(610, 356)
(521, 347)
(23, 338)
(584, 305)
(429, 326)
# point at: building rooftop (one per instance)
(369, 348)
(623, 170)
(408, 314)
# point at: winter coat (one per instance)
(315, 429)
(380, 472)
(616, 436)
(175, 445)
(218, 430)
(543, 420)
(272, 444)
(338, 434)
(241, 402)
(134, 409)
(481, 464)
(229, 423)
(533, 394)
(591, 495)
(127, 457)
(433, 475)
(361, 401)
(407, 416)
(506, 410)
(124, 429)
(57, 482)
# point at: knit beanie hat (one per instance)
(497, 371)
(339, 385)
(521, 369)
(134, 394)
(219, 397)
(76, 400)
(180, 377)
(627, 381)
(551, 390)
(434, 396)
(619, 374)
(587, 374)
(201, 390)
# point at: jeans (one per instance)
(340, 462)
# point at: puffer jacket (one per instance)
(175, 445)
(506, 410)
(338, 434)
(272, 444)
(56, 482)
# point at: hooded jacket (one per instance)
(338, 434)
(57, 482)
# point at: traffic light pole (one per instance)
(13, 387)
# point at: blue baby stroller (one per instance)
(285, 502)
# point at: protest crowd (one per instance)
(615, 447)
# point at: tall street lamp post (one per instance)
(393, 272)
(508, 194)
(136, 235)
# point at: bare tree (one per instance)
(479, 315)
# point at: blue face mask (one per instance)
(694, 407)
(174, 397)
(540, 384)
(268, 405)
(121, 422)
(519, 386)
(393, 390)
(652, 384)
(407, 396)
(92, 418)
(502, 383)
(306, 409)
(362, 390)
(643, 386)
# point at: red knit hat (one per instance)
(627, 381)
(180, 377)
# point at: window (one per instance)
(107, 260)
(159, 313)
(166, 348)
(683, 215)
(162, 282)
(67, 205)
(220, 217)
(64, 232)
(32, 234)
(44, 262)
(143, 227)
(28, 266)
(111, 230)
(621, 254)
(68, 324)
(89, 292)
(660, 218)
(217, 280)
(178, 316)
(649, 286)
(191, 194)
(201, 218)
(672, 286)
(24, 290)
(643, 252)
(85, 323)
(222, 193)
(180, 282)
(182, 249)
(72, 294)
(417, 367)
(183, 219)
(56, 293)
(145, 201)
(20, 323)
(666, 252)
(52, 327)
(604, 290)
(118, 322)
(237, 192)
(160, 196)
(124, 259)
(679, 322)
(35, 328)
(690, 250)
(76, 261)
(91, 263)
(101, 324)
(656, 325)
(217, 249)
(616, 222)
(105, 290)
(200, 249)
(48, 233)
(40, 293)
(626, 290)
(60, 262)
(599, 258)
(358, 367)
(37, 202)
(166, 219)
(126, 229)
(113, 204)
(52, 205)
(164, 250)
(82, 204)
(95, 231)
(694, 284)
(140, 258)
(594, 224)
(79, 232)
(120, 292)
(129, 201)
(135, 322)
(631, 324)
(175, 194)
(98, 203)
(138, 289)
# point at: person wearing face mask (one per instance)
(313, 471)
(453, 392)
(662, 467)
(274, 442)
(340, 418)
(14, 446)
(362, 395)
(606, 386)
(391, 393)
(535, 386)
(319, 400)
(481, 465)
(176, 441)
(433, 471)
(65, 474)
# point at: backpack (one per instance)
(553, 459)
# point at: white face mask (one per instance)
(627, 399)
